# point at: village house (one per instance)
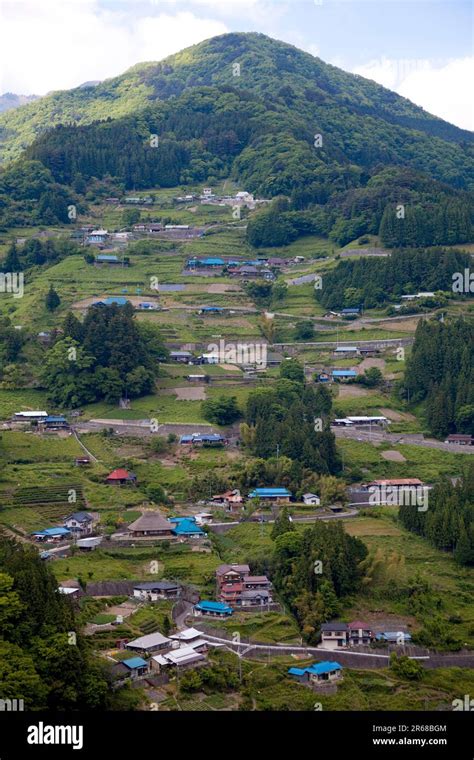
(29, 416)
(186, 527)
(341, 375)
(237, 588)
(133, 668)
(182, 658)
(323, 377)
(111, 300)
(231, 574)
(151, 524)
(182, 357)
(311, 499)
(271, 495)
(97, 237)
(154, 591)
(231, 500)
(153, 642)
(346, 350)
(190, 637)
(203, 439)
(318, 673)
(360, 421)
(212, 609)
(53, 422)
(89, 544)
(108, 258)
(337, 635)
(79, 522)
(82, 461)
(334, 635)
(254, 599)
(359, 633)
(460, 439)
(394, 637)
(53, 535)
(121, 477)
(396, 491)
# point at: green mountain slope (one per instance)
(276, 119)
(274, 71)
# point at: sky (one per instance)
(422, 49)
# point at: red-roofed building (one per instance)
(121, 477)
(359, 633)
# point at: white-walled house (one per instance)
(311, 499)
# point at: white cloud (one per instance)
(442, 88)
(48, 45)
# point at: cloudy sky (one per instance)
(423, 49)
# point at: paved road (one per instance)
(348, 658)
(142, 427)
(380, 436)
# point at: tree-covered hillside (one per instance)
(276, 119)
(368, 282)
(274, 71)
(440, 372)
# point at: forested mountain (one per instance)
(440, 371)
(275, 118)
(278, 74)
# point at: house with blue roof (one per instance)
(344, 374)
(54, 422)
(186, 527)
(277, 495)
(118, 300)
(213, 609)
(317, 673)
(51, 534)
(394, 637)
(203, 439)
(210, 309)
(209, 261)
(131, 669)
(107, 258)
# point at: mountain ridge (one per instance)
(209, 63)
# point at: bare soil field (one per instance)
(352, 391)
(397, 416)
(404, 325)
(393, 456)
(368, 363)
(195, 393)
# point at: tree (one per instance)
(72, 327)
(52, 299)
(332, 490)
(282, 524)
(10, 604)
(406, 668)
(304, 330)
(11, 262)
(130, 216)
(372, 377)
(292, 369)
(166, 625)
(67, 374)
(221, 411)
